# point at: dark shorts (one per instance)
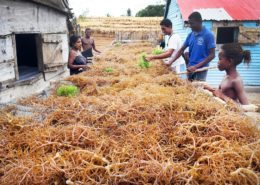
(87, 53)
(200, 76)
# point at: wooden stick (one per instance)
(198, 70)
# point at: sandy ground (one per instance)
(254, 98)
(102, 43)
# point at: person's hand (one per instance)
(217, 93)
(192, 69)
(168, 63)
(209, 88)
(149, 58)
(85, 68)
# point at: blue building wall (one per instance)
(250, 74)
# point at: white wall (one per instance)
(22, 16)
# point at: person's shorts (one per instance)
(181, 68)
(199, 76)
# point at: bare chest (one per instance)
(226, 88)
(87, 41)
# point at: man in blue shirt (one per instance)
(201, 45)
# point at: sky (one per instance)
(111, 7)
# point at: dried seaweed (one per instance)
(131, 126)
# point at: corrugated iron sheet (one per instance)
(217, 14)
(237, 9)
(61, 5)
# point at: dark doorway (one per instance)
(227, 35)
(27, 59)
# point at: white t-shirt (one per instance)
(174, 42)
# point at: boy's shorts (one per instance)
(199, 76)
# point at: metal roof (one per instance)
(217, 14)
(228, 9)
(60, 5)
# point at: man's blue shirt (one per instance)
(199, 46)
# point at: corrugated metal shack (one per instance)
(230, 21)
(33, 45)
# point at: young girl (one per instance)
(77, 63)
(231, 86)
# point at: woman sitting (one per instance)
(77, 63)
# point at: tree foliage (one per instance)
(152, 11)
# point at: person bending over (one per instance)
(173, 44)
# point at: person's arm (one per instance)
(178, 55)
(164, 55)
(180, 51)
(186, 58)
(209, 88)
(240, 92)
(218, 93)
(83, 44)
(204, 62)
(72, 57)
(94, 47)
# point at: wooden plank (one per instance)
(52, 53)
(7, 71)
(55, 48)
(54, 65)
(6, 49)
(198, 70)
(27, 17)
(248, 35)
(15, 58)
(56, 74)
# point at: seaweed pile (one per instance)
(130, 125)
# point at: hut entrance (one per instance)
(27, 55)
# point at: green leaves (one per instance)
(118, 44)
(143, 63)
(157, 51)
(108, 69)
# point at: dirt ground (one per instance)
(254, 98)
(102, 42)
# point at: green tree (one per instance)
(129, 12)
(152, 11)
